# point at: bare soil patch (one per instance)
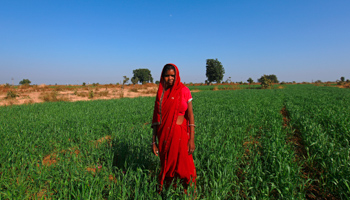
(43, 93)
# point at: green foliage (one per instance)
(215, 70)
(125, 80)
(134, 80)
(242, 146)
(11, 94)
(25, 82)
(265, 82)
(342, 79)
(271, 77)
(250, 80)
(91, 94)
(84, 83)
(157, 82)
(7, 85)
(142, 75)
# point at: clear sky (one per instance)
(75, 41)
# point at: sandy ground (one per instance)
(44, 93)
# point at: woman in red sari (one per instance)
(173, 125)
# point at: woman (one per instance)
(173, 125)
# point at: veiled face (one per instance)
(169, 78)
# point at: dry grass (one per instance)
(11, 94)
(133, 90)
(345, 85)
(121, 93)
(29, 94)
(52, 96)
(227, 87)
(103, 93)
(151, 91)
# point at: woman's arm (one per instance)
(191, 146)
(154, 140)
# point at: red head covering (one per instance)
(166, 108)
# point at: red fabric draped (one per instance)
(172, 138)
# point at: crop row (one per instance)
(101, 149)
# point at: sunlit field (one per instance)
(283, 143)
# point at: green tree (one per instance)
(143, 75)
(215, 71)
(25, 82)
(250, 80)
(271, 77)
(134, 80)
(126, 79)
(342, 79)
(265, 82)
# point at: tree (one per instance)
(271, 77)
(134, 80)
(126, 79)
(250, 80)
(228, 80)
(342, 79)
(143, 75)
(215, 71)
(265, 82)
(25, 82)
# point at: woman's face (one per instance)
(169, 77)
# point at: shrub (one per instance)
(121, 93)
(50, 97)
(265, 82)
(91, 94)
(11, 95)
(25, 82)
(103, 93)
(133, 90)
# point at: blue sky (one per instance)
(73, 41)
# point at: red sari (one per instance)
(172, 138)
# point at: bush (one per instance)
(265, 82)
(25, 82)
(104, 93)
(48, 97)
(11, 95)
(91, 94)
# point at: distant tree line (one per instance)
(214, 73)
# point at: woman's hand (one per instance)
(155, 149)
(191, 146)
(154, 144)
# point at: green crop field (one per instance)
(289, 143)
